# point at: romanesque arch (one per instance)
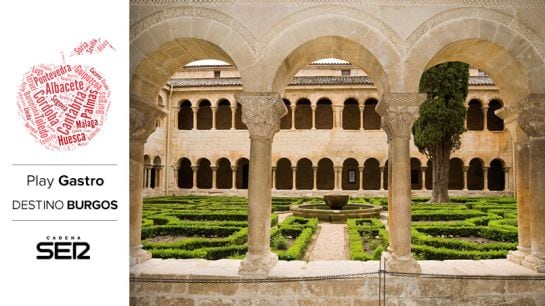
(475, 175)
(371, 174)
(493, 122)
(496, 175)
(351, 115)
(185, 174)
(242, 174)
(223, 115)
(371, 119)
(284, 174)
(185, 115)
(456, 174)
(303, 114)
(204, 115)
(224, 177)
(325, 179)
(324, 114)
(204, 174)
(474, 117)
(351, 175)
(304, 175)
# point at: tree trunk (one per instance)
(441, 163)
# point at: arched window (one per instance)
(304, 175)
(416, 178)
(371, 174)
(285, 122)
(325, 175)
(475, 178)
(456, 174)
(351, 175)
(493, 122)
(185, 116)
(155, 178)
(303, 115)
(243, 170)
(496, 175)
(475, 120)
(223, 115)
(239, 125)
(371, 119)
(204, 115)
(351, 115)
(204, 174)
(224, 176)
(284, 174)
(185, 174)
(324, 114)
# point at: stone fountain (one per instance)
(336, 209)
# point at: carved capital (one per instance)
(143, 117)
(532, 115)
(399, 111)
(261, 112)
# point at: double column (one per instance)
(261, 112)
(531, 120)
(142, 123)
(399, 111)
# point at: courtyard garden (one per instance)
(213, 227)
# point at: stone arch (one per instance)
(224, 176)
(496, 175)
(223, 115)
(185, 173)
(371, 119)
(351, 114)
(351, 175)
(371, 174)
(284, 174)
(243, 172)
(285, 122)
(324, 114)
(304, 174)
(493, 122)
(474, 117)
(456, 174)
(493, 41)
(416, 174)
(325, 179)
(185, 115)
(204, 115)
(475, 174)
(303, 114)
(204, 174)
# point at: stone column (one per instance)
(195, 110)
(195, 170)
(506, 179)
(158, 175)
(142, 124)
(214, 109)
(466, 170)
(485, 176)
(273, 178)
(532, 121)
(362, 109)
(313, 107)
(338, 111)
(399, 111)
(234, 177)
(423, 169)
(293, 106)
(175, 169)
(214, 176)
(233, 116)
(293, 178)
(485, 119)
(314, 177)
(261, 112)
(338, 177)
(381, 178)
(361, 168)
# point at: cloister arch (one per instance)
(475, 175)
(185, 115)
(351, 115)
(284, 174)
(456, 174)
(371, 174)
(324, 114)
(185, 174)
(304, 174)
(351, 175)
(204, 174)
(474, 117)
(416, 174)
(224, 177)
(223, 115)
(204, 115)
(371, 119)
(303, 114)
(496, 175)
(242, 175)
(325, 179)
(493, 122)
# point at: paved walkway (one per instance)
(330, 243)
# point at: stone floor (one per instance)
(331, 243)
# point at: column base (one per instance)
(535, 262)
(257, 264)
(139, 255)
(518, 255)
(404, 264)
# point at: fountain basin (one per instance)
(324, 213)
(336, 201)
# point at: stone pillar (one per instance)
(485, 119)
(195, 110)
(399, 111)
(293, 106)
(214, 109)
(532, 121)
(506, 179)
(142, 124)
(338, 177)
(261, 112)
(293, 178)
(362, 109)
(338, 112)
(175, 169)
(195, 170)
(313, 107)
(361, 168)
(314, 177)
(466, 170)
(233, 117)
(273, 178)
(234, 177)
(485, 176)
(214, 176)
(423, 169)
(381, 178)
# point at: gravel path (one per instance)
(330, 243)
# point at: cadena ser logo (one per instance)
(59, 247)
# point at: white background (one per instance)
(35, 32)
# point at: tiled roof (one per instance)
(303, 81)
